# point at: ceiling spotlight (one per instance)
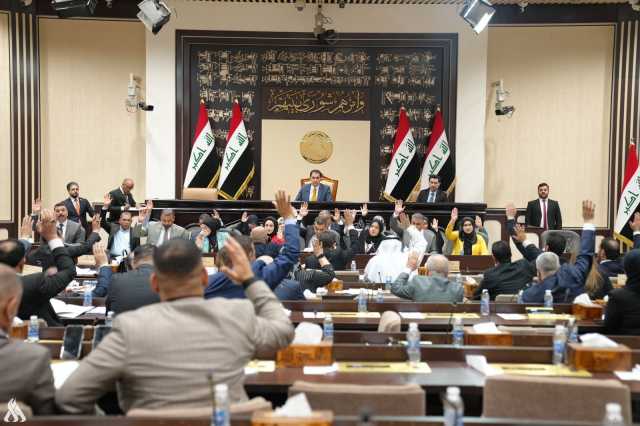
(153, 14)
(69, 8)
(477, 13)
(342, 4)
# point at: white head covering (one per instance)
(388, 261)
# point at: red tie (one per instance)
(544, 214)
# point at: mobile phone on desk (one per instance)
(72, 342)
(98, 334)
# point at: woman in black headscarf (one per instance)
(623, 310)
(206, 238)
(369, 239)
(465, 241)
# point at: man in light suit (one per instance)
(158, 233)
(544, 212)
(161, 354)
(77, 206)
(120, 199)
(71, 232)
(434, 288)
(432, 194)
(26, 374)
(315, 191)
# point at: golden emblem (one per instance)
(316, 147)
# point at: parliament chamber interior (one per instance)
(320, 212)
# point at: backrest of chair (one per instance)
(206, 194)
(349, 399)
(331, 183)
(390, 322)
(245, 407)
(550, 398)
(572, 238)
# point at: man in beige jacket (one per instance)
(160, 355)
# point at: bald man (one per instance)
(26, 375)
(433, 288)
(121, 199)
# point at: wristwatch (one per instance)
(247, 283)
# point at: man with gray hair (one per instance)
(435, 287)
(158, 233)
(26, 375)
(400, 224)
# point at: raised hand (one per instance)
(47, 225)
(26, 228)
(336, 215)
(478, 222)
(317, 247)
(304, 209)
(364, 210)
(241, 269)
(100, 254)
(106, 201)
(434, 224)
(412, 260)
(588, 210)
(283, 205)
(244, 218)
(511, 211)
(398, 208)
(36, 205)
(216, 215)
(349, 217)
(635, 223)
(454, 214)
(519, 234)
(95, 222)
(404, 220)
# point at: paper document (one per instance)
(66, 310)
(85, 272)
(513, 317)
(412, 315)
(62, 370)
(321, 369)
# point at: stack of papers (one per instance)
(66, 310)
(85, 272)
(513, 317)
(62, 370)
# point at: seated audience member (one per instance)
(568, 280)
(388, 262)
(77, 206)
(246, 224)
(151, 353)
(544, 212)
(622, 315)
(323, 222)
(432, 194)
(399, 223)
(43, 257)
(506, 277)
(607, 265)
(434, 288)
(119, 200)
(71, 232)
(261, 244)
(38, 288)
(315, 191)
(466, 241)
(308, 278)
(206, 239)
(272, 271)
(369, 239)
(129, 290)
(122, 237)
(338, 257)
(26, 372)
(158, 233)
(272, 227)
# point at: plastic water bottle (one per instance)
(327, 326)
(453, 407)
(548, 299)
(413, 344)
(613, 415)
(458, 332)
(559, 342)
(572, 330)
(33, 333)
(520, 297)
(387, 282)
(362, 301)
(379, 296)
(353, 266)
(221, 412)
(88, 297)
(485, 309)
(109, 319)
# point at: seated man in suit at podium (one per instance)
(432, 194)
(315, 191)
(544, 212)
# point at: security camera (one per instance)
(323, 35)
(501, 97)
(300, 4)
(144, 107)
(342, 4)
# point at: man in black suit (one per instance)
(121, 235)
(544, 212)
(120, 199)
(77, 206)
(130, 290)
(432, 194)
(39, 288)
(506, 277)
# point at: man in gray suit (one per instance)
(26, 375)
(71, 232)
(433, 288)
(158, 233)
(160, 355)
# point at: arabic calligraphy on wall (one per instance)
(337, 104)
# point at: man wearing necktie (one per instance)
(544, 212)
(77, 207)
(158, 233)
(315, 191)
(70, 232)
(432, 194)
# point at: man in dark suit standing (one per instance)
(544, 212)
(77, 206)
(121, 199)
(130, 290)
(39, 288)
(506, 277)
(315, 191)
(122, 237)
(432, 194)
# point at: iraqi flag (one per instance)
(237, 163)
(438, 160)
(630, 197)
(204, 165)
(404, 169)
